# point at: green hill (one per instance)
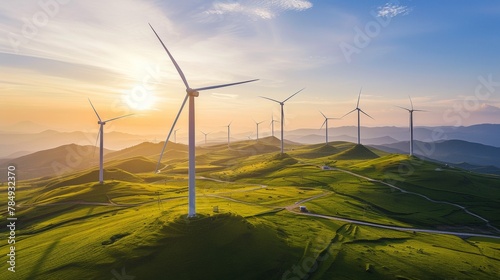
(110, 174)
(356, 152)
(260, 165)
(135, 165)
(316, 152)
(248, 223)
(223, 246)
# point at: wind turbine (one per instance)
(282, 103)
(101, 142)
(325, 123)
(190, 94)
(257, 124)
(272, 124)
(175, 135)
(359, 110)
(411, 123)
(205, 136)
(229, 133)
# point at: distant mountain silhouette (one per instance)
(451, 151)
(14, 141)
(56, 161)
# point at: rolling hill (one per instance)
(56, 161)
(372, 215)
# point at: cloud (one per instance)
(258, 9)
(485, 108)
(224, 95)
(390, 10)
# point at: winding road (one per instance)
(418, 194)
(291, 208)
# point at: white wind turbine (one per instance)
(175, 135)
(205, 135)
(272, 125)
(325, 123)
(257, 124)
(229, 133)
(190, 94)
(101, 142)
(359, 110)
(282, 103)
(411, 123)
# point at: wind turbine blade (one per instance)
(420, 111)
(292, 95)
(270, 99)
(411, 102)
(179, 70)
(225, 85)
(366, 114)
(94, 110)
(170, 132)
(323, 124)
(359, 96)
(118, 118)
(323, 114)
(403, 108)
(349, 112)
(95, 145)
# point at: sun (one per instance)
(139, 98)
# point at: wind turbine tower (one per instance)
(229, 133)
(101, 142)
(359, 110)
(272, 124)
(411, 123)
(191, 93)
(257, 124)
(282, 103)
(325, 123)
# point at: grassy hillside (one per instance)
(356, 152)
(248, 224)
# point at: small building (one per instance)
(303, 209)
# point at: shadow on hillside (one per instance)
(43, 259)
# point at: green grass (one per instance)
(73, 227)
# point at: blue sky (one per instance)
(57, 54)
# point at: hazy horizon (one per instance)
(55, 57)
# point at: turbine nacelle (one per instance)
(192, 92)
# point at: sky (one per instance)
(57, 54)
